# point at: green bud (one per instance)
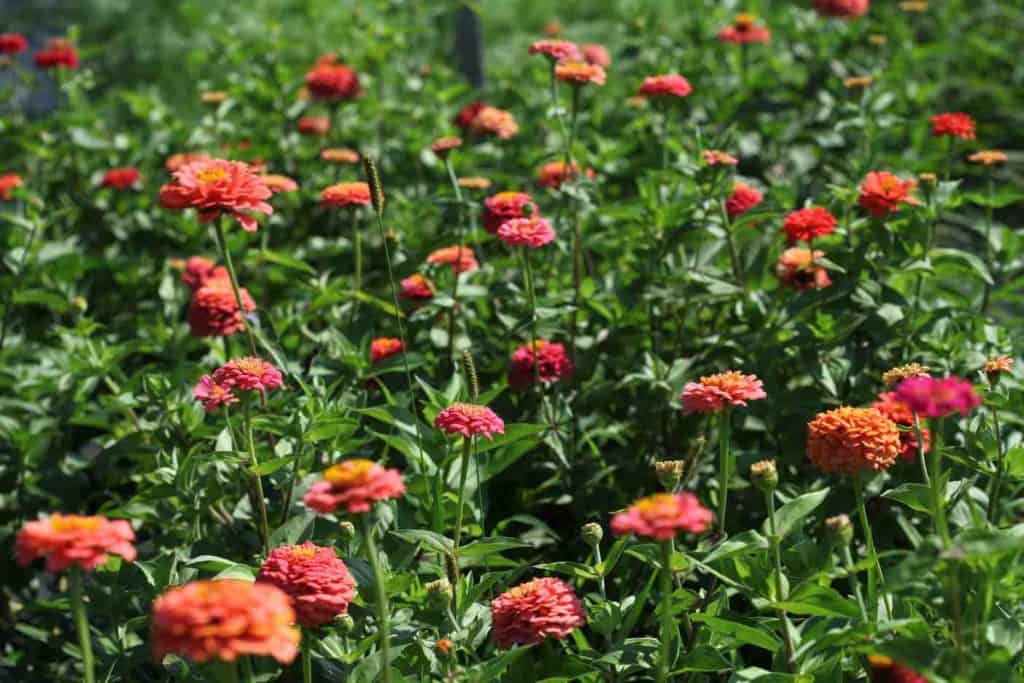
(592, 534)
(838, 531)
(345, 623)
(347, 531)
(439, 592)
(764, 475)
(669, 472)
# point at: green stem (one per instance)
(248, 674)
(724, 469)
(921, 459)
(875, 571)
(454, 312)
(20, 276)
(307, 657)
(577, 247)
(597, 562)
(227, 672)
(222, 243)
(531, 295)
(997, 481)
(989, 260)
(949, 157)
(667, 624)
(734, 254)
(264, 524)
(938, 487)
(467, 447)
(357, 245)
(383, 617)
(81, 623)
(779, 591)
(851, 573)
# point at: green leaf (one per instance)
(1005, 633)
(487, 546)
(324, 429)
(574, 569)
(962, 258)
(792, 513)
(817, 600)
(744, 542)
(914, 496)
(286, 261)
(702, 658)
(271, 466)
(434, 541)
(744, 633)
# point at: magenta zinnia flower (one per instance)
(469, 420)
(931, 397)
(248, 374)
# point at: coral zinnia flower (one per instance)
(64, 540)
(744, 31)
(216, 186)
(535, 610)
(597, 54)
(713, 393)
(882, 193)
(556, 50)
(673, 85)
(120, 178)
(532, 232)
(797, 269)
(340, 155)
(212, 395)
(505, 206)
(346, 194)
(384, 347)
(318, 582)
(988, 157)
(224, 620)
(885, 670)
(213, 97)
(662, 516)
(806, 224)
(279, 183)
(898, 374)
(497, 122)
(554, 173)
(58, 53)
(464, 119)
(954, 124)
(579, 73)
(213, 310)
(354, 484)
(842, 9)
(998, 365)
(442, 146)
(333, 82)
(248, 374)
(469, 420)
(417, 287)
(314, 125)
(12, 43)
(851, 440)
(743, 199)
(551, 358)
(474, 183)
(462, 259)
(714, 157)
(8, 182)
(197, 271)
(176, 162)
(931, 397)
(888, 405)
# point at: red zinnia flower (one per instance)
(662, 516)
(851, 440)
(462, 259)
(314, 125)
(8, 182)
(579, 73)
(333, 82)
(224, 620)
(248, 374)
(897, 411)
(354, 484)
(556, 50)
(505, 206)
(806, 224)
(554, 173)
(279, 183)
(597, 54)
(417, 287)
(469, 420)
(932, 397)
(216, 186)
(713, 393)
(12, 43)
(744, 31)
(882, 193)
(213, 310)
(121, 178)
(198, 271)
(384, 347)
(885, 670)
(346, 194)
(212, 395)
(318, 582)
(673, 85)
(497, 122)
(58, 52)
(64, 540)
(797, 269)
(842, 9)
(464, 119)
(535, 610)
(954, 124)
(743, 199)
(532, 232)
(551, 358)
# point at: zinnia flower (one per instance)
(998, 365)
(931, 397)
(346, 194)
(213, 309)
(898, 374)
(469, 420)
(505, 206)
(662, 516)
(213, 97)
(442, 146)
(318, 582)
(12, 43)
(885, 670)
(176, 162)
(842, 9)
(797, 269)
(714, 157)
(279, 183)
(8, 182)
(64, 540)
(474, 183)
(120, 178)
(988, 157)
(532, 232)
(248, 374)
(314, 125)
(953, 124)
(554, 173)
(888, 405)
(744, 31)
(333, 82)
(212, 395)
(857, 82)
(340, 155)
(354, 484)
(462, 259)
(224, 620)
(464, 119)
(216, 186)
(384, 347)
(806, 224)
(199, 270)
(666, 85)
(58, 53)
(579, 73)
(851, 440)
(553, 364)
(417, 287)
(556, 50)
(743, 199)
(882, 193)
(535, 610)
(713, 393)
(597, 54)
(497, 122)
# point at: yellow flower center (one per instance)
(506, 196)
(212, 175)
(349, 472)
(65, 523)
(658, 503)
(303, 552)
(745, 20)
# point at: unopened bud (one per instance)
(928, 179)
(764, 475)
(79, 304)
(838, 531)
(669, 472)
(347, 531)
(344, 623)
(444, 647)
(592, 534)
(439, 592)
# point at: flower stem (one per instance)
(851, 573)
(383, 618)
(667, 625)
(453, 314)
(9, 294)
(597, 562)
(222, 243)
(989, 260)
(531, 295)
(938, 487)
(779, 592)
(724, 468)
(227, 672)
(875, 572)
(730, 239)
(81, 623)
(257, 479)
(922, 460)
(997, 481)
(467, 447)
(307, 656)
(357, 245)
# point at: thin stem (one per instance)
(664, 138)
(531, 296)
(467, 447)
(920, 450)
(307, 656)
(357, 245)
(248, 674)
(734, 255)
(257, 479)
(222, 243)
(938, 487)
(851, 573)
(997, 481)
(20, 276)
(724, 468)
(383, 617)
(597, 562)
(779, 591)
(459, 227)
(81, 623)
(875, 571)
(667, 624)
(989, 260)
(949, 157)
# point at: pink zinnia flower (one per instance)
(355, 485)
(932, 397)
(464, 119)
(12, 43)
(662, 516)
(469, 420)
(346, 194)
(552, 361)
(279, 183)
(318, 582)
(314, 125)
(714, 157)
(384, 347)
(842, 9)
(888, 405)
(597, 54)
(579, 73)
(212, 394)
(462, 259)
(199, 270)
(121, 178)
(64, 540)
(532, 232)
(715, 392)
(248, 374)
(744, 31)
(217, 186)
(416, 286)
(59, 52)
(556, 50)
(535, 610)
(331, 81)
(505, 206)
(673, 85)
(213, 309)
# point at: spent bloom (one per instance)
(882, 193)
(714, 393)
(318, 582)
(121, 178)
(314, 125)
(535, 610)
(553, 364)
(216, 186)
(556, 50)
(932, 397)
(9, 181)
(65, 540)
(953, 124)
(248, 374)
(213, 309)
(842, 9)
(212, 394)
(988, 157)
(384, 347)
(744, 30)
(662, 516)
(533, 232)
(333, 82)
(579, 73)
(714, 157)
(469, 420)
(897, 411)
(505, 206)
(743, 199)
(798, 269)
(665, 85)
(224, 620)
(416, 286)
(12, 43)
(851, 440)
(461, 259)
(886, 670)
(346, 194)
(597, 54)
(898, 374)
(340, 155)
(554, 173)
(58, 53)
(806, 224)
(354, 485)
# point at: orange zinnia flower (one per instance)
(462, 259)
(384, 347)
(217, 186)
(65, 540)
(579, 73)
(797, 268)
(744, 31)
(8, 182)
(882, 193)
(346, 194)
(714, 393)
(852, 440)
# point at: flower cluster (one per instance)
(240, 374)
(506, 206)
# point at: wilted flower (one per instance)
(535, 610)
(798, 269)
(216, 186)
(931, 397)
(713, 393)
(885, 670)
(439, 591)
(579, 73)
(318, 582)
(340, 155)
(556, 50)
(851, 440)
(279, 183)
(8, 182)
(212, 395)
(213, 309)
(65, 540)
(417, 287)
(469, 419)
(662, 516)
(333, 82)
(743, 199)
(554, 173)
(462, 259)
(533, 232)
(355, 485)
(597, 54)
(672, 85)
(224, 620)
(988, 157)
(12, 43)
(953, 124)
(120, 178)
(669, 473)
(897, 411)
(384, 347)
(882, 193)
(314, 125)
(744, 30)
(248, 374)
(505, 206)
(58, 53)
(551, 358)
(714, 157)
(806, 224)
(346, 194)
(898, 374)
(842, 9)
(442, 146)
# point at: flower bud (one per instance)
(764, 475)
(344, 623)
(439, 592)
(669, 472)
(592, 534)
(996, 367)
(444, 647)
(928, 179)
(80, 304)
(838, 531)
(347, 531)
